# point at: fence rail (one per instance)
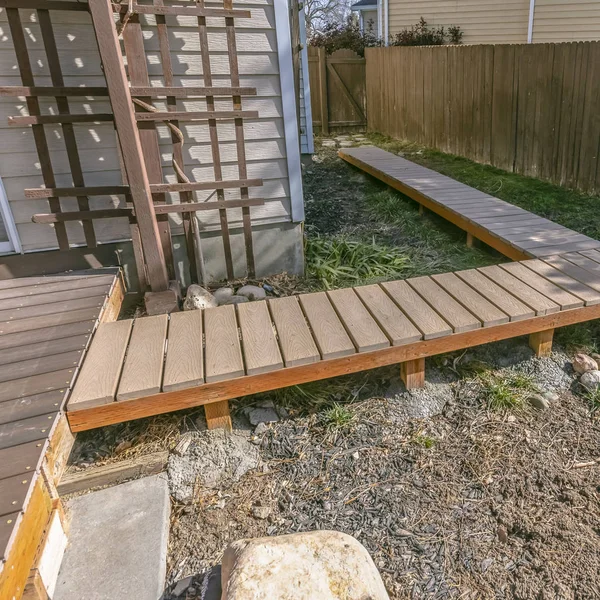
(532, 109)
(337, 83)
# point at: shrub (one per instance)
(423, 35)
(336, 36)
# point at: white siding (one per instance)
(265, 139)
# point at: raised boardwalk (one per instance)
(160, 364)
(45, 327)
(511, 230)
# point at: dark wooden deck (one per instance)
(45, 327)
(511, 230)
(160, 364)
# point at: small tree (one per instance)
(347, 34)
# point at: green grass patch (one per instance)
(593, 397)
(423, 440)
(505, 390)
(571, 208)
(338, 417)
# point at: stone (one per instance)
(328, 565)
(161, 303)
(215, 457)
(262, 415)
(346, 144)
(582, 363)
(182, 586)
(197, 298)
(222, 295)
(590, 380)
(502, 534)
(252, 292)
(551, 396)
(235, 300)
(260, 429)
(328, 144)
(117, 543)
(538, 401)
(261, 512)
(342, 138)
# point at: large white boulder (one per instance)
(323, 565)
(197, 298)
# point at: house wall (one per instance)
(492, 22)
(265, 137)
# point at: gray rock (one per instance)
(328, 144)
(262, 415)
(235, 300)
(346, 144)
(197, 298)
(215, 457)
(551, 396)
(591, 380)
(261, 512)
(582, 363)
(223, 294)
(252, 292)
(539, 402)
(327, 565)
(260, 429)
(181, 586)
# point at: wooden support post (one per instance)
(421, 209)
(412, 373)
(129, 139)
(217, 415)
(541, 342)
(323, 91)
(470, 240)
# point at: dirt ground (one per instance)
(453, 496)
(468, 503)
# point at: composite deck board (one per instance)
(506, 302)
(361, 326)
(297, 344)
(99, 376)
(592, 254)
(526, 294)
(390, 318)
(14, 314)
(143, 368)
(96, 292)
(23, 458)
(184, 362)
(444, 304)
(583, 261)
(468, 206)
(47, 289)
(485, 311)
(223, 351)
(43, 349)
(46, 324)
(427, 320)
(38, 366)
(89, 315)
(13, 492)
(330, 335)
(589, 278)
(561, 279)
(31, 406)
(261, 351)
(27, 430)
(543, 286)
(46, 334)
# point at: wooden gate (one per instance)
(338, 90)
(133, 98)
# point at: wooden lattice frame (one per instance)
(149, 221)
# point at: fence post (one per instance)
(323, 91)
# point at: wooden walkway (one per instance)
(160, 364)
(511, 230)
(45, 326)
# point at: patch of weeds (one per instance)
(505, 391)
(338, 262)
(338, 417)
(582, 337)
(424, 440)
(593, 397)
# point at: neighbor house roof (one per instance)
(362, 4)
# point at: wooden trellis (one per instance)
(135, 118)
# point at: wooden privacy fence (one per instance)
(532, 109)
(338, 94)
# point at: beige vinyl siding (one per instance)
(566, 21)
(265, 140)
(483, 21)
